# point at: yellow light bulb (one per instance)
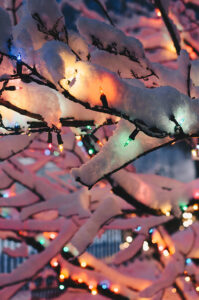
(187, 279)
(94, 292)
(116, 290)
(166, 252)
(61, 147)
(61, 277)
(83, 264)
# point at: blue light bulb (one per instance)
(19, 57)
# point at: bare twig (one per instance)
(105, 12)
(169, 26)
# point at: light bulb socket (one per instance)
(49, 137)
(59, 139)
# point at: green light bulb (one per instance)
(65, 249)
(90, 151)
(127, 142)
(61, 287)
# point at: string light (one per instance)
(50, 140)
(80, 144)
(90, 286)
(47, 152)
(138, 228)
(65, 249)
(129, 239)
(151, 230)
(195, 206)
(53, 235)
(124, 245)
(60, 142)
(19, 57)
(61, 287)
(19, 64)
(188, 261)
(56, 153)
(94, 292)
(187, 215)
(183, 206)
(61, 148)
(91, 151)
(105, 284)
(83, 264)
(158, 13)
(131, 136)
(187, 279)
(78, 137)
(166, 252)
(187, 223)
(115, 289)
(54, 262)
(145, 246)
(127, 142)
(197, 288)
(61, 277)
(194, 153)
(99, 143)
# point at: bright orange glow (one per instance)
(50, 235)
(80, 280)
(158, 13)
(83, 264)
(195, 206)
(193, 55)
(65, 272)
(61, 277)
(101, 91)
(115, 289)
(109, 88)
(99, 143)
(171, 47)
(54, 262)
(189, 49)
(78, 137)
(94, 292)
